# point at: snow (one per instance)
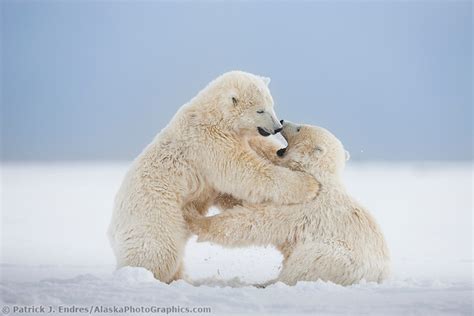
(55, 252)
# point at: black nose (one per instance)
(281, 152)
(282, 121)
(278, 130)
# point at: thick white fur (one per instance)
(202, 152)
(331, 238)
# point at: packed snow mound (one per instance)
(394, 297)
(134, 275)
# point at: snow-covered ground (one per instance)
(55, 253)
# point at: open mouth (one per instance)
(281, 152)
(263, 132)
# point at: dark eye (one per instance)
(298, 129)
(319, 149)
(260, 111)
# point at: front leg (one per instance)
(226, 201)
(264, 148)
(239, 171)
(240, 227)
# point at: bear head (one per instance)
(245, 104)
(312, 149)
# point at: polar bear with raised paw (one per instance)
(332, 238)
(204, 152)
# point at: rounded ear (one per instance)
(266, 80)
(348, 155)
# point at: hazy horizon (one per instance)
(96, 81)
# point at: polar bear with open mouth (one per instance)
(204, 152)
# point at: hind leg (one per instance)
(159, 251)
(180, 272)
(320, 261)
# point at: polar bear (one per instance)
(204, 151)
(332, 238)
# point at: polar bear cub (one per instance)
(204, 151)
(332, 238)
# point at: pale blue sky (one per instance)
(97, 80)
